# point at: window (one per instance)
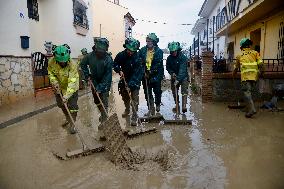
(33, 9)
(80, 14)
(116, 2)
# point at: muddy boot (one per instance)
(127, 110)
(103, 116)
(67, 119)
(251, 108)
(65, 124)
(125, 113)
(72, 128)
(151, 110)
(134, 120)
(175, 109)
(100, 135)
(184, 102)
(158, 108)
(249, 115)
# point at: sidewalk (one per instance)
(29, 107)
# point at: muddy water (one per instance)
(221, 149)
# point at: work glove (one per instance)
(176, 82)
(121, 74)
(174, 76)
(65, 99)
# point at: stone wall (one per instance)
(16, 80)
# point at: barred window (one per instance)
(80, 14)
(33, 9)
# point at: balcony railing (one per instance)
(229, 12)
(270, 65)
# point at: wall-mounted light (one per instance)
(130, 31)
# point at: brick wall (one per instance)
(206, 76)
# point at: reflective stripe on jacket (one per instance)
(249, 63)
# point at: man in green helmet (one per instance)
(152, 60)
(99, 62)
(250, 64)
(84, 52)
(64, 77)
(177, 67)
(129, 66)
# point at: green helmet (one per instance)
(131, 44)
(153, 37)
(101, 44)
(84, 51)
(245, 42)
(174, 46)
(61, 53)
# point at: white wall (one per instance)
(111, 18)
(12, 26)
(55, 24)
(221, 40)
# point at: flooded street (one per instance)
(222, 149)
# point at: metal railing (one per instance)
(273, 65)
(270, 65)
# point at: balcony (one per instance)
(231, 18)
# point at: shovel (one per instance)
(142, 129)
(177, 121)
(151, 118)
(85, 150)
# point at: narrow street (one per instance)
(129, 94)
(222, 149)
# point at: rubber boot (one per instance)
(103, 116)
(175, 108)
(67, 119)
(252, 109)
(134, 118)
(127, 109)
(158, 108)
(151, 109)
(72, 129)
(184, 102)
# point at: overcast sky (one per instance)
(173, 12)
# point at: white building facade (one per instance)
(27, 25)
(205, 30)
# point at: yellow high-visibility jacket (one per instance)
(250, 63)
(67, 78)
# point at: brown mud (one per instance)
(222, 149)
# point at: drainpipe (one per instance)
(213, 35)
(264, 38)
(198, 44)
(194, 46)
(207, 34)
